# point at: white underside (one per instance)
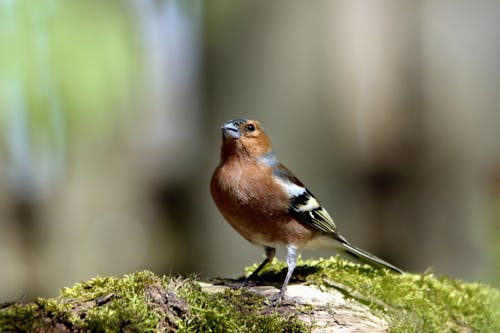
(321, 242)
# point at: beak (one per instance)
(230, 130)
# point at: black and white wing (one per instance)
(303, 206)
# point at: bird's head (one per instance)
(244, 138)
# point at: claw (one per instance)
(276, 299)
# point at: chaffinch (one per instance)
(268, 205)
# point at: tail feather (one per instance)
(366, 257)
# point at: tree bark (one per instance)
(329, 311)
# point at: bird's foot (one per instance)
(277, 298)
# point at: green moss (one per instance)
(410, 302)
(18, 318)
(143, 302)
(234, 311)
(120, 303)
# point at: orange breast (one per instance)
(255, 205)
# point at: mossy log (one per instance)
(330, 295)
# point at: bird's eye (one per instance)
(250, 128)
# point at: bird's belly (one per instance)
(278, 230)
(257, 207)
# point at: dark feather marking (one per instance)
(284, 174)
(316, 218)
(352, 254)
(238, 122)
(302, 199)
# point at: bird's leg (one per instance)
(270, 253)
(291, 261)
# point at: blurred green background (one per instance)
(109, 131)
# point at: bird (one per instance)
(269, 206)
